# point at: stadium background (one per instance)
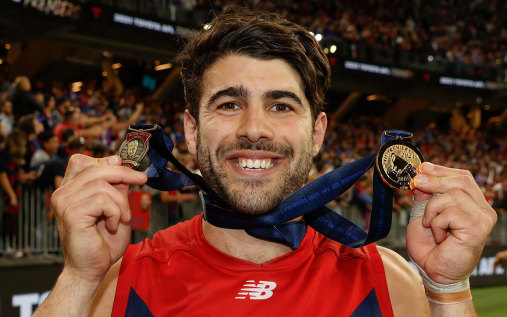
(437, 68)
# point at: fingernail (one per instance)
(113, 160)
(412, 184)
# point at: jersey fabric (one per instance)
(179, 273)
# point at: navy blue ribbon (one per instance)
(309, 201)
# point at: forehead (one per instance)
(254, 74)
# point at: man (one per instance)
(255, 86)
(23, 103)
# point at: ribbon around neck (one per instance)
(309, 201)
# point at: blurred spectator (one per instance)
(49, 146)
(81, 125)
(6, 115)
(49, 169)
(75, 145)
(23, 102)
(31, 128)
(12, 176)
(47, 117)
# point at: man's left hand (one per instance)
(448, 240)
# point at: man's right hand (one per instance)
(93, 214)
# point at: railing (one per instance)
(38, 235)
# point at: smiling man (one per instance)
(254, 84)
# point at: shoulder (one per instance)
(404, 284)
(181, 236)
(163, 244)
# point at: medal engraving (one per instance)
(397, 162)
(134, 150)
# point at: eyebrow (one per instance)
(238, 91)
(279, 94)
(241, 91)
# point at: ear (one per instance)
(190, 126)
(318, 132)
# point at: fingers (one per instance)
(444, 223)
(79, 162)
(102, 179)
(85, 169)
(453, 198)
(439, 179)
(102, 192)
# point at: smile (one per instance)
(253, 164)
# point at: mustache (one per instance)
(284, 150)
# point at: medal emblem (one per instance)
(134, 149)
(397, 162)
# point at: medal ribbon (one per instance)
(309, 201)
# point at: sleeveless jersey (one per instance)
(179, 273)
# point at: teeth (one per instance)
(251, 164)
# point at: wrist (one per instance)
(448, 298)
(85, 283)
(437, 293)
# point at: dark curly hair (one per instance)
(260, 35)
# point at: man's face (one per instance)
(256, 137)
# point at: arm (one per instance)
(119, 126)
(500, 258)
(404, 284)
(447, 238)
(6, 186)
(93, 219)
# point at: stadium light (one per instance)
(326, 50)
(104, 74)
(332, 49)
(430, 58)
(206, 26)
(76, 86)
(7, 46)
(318, 37)
(163, 66)
(1, 61)
(116, 66)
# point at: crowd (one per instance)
(40, 130)
(472, 35)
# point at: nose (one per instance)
(255, 124)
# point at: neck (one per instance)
(239, 244)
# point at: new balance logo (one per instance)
(263, 290)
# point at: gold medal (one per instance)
(134, 150)
(397, 162)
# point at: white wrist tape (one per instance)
(433, 288)
(438, 288)
(417, 210)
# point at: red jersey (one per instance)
(179, 273)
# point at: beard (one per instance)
(254, 196)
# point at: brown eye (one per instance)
(280, 107)
(228, 106)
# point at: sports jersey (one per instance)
(179, 273)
